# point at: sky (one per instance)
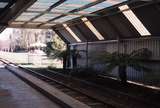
(5, 34)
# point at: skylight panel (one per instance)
(47, 1)
(134, 20)
(26, 16)
(71, 32)
(101, 6)
(92, 28)
(66, 18)
(42, 5)
(46, 17)
(70, 5)
(3, 4)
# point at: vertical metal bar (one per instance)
(87, 54)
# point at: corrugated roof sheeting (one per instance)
(149, 16)
(110, 26)
(88, 33)
(105, 27)
(62, 37)
(78, 33)
(67, 35)
(123, 26)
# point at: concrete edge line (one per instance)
(46, 89)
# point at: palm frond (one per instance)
(140, 67)
(110, 67)
(143, 53)
(100, 57)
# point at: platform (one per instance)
(14, 93)
(47, 89)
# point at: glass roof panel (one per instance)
(129, 14)
(42, 5)
(102, 5)
(26, 16)
(3, 4)
(71, 32)
(74, 4)
(66, 18)
(46, 17)
(92, 28)
(69, 5)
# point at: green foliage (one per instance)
(61, 54)
(49, 49)
(135, 59)
(121, 60)
(58, 43)
(56, 47)
(65, 53)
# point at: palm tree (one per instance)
(49, 49)
(135, 59)
(55, 53)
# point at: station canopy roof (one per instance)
(47, 13)
(84, 20)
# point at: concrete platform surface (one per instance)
(14, 93)
(61, 97)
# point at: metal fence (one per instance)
(125, 46)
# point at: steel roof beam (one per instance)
(14, 9)
(50, 8)
(76, 10)
(67, 13)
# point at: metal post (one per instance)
(87, 55)
(28, 47)
(118, 44)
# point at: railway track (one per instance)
(115, 95)
(76, 94)
(75, 90)
(91, 102)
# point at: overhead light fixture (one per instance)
(71, 32)
(3, 4)
(92, 28)
(138, 25)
